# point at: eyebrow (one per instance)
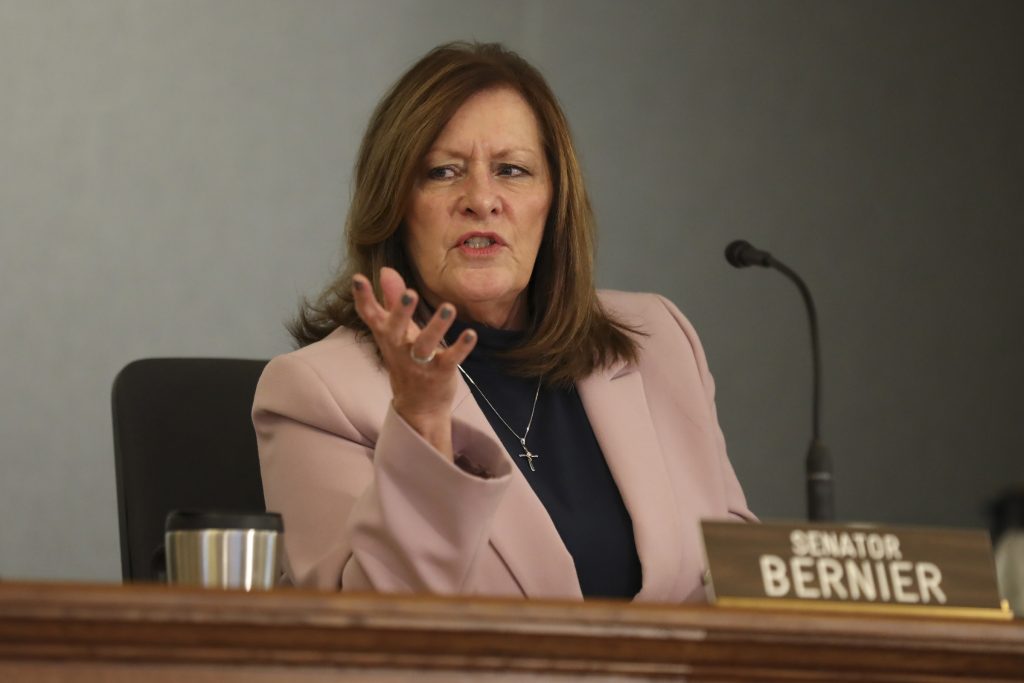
(499, 153)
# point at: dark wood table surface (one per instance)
(64, 632)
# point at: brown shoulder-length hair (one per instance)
(568, 335)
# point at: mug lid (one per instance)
(195, 520)
(1007, 511)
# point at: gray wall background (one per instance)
(175, 174)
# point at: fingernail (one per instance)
(406, 299)
(357, 284)
(445, 313)
(470, 336)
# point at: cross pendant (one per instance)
(528, 455)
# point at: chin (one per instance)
(482, 289)
(479, 296)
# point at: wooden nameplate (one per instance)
(948, 572)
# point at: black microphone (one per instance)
(820, 495)
(741, 254)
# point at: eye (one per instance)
(511, 170)
(441, 173)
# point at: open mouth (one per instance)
(479, 242)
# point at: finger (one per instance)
(367, 306)
(430, 337)
(399, 326)
(459, 351)
(392, 286)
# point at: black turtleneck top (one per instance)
(570, 477)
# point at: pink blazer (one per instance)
(369, 505)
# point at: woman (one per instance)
(467, 414)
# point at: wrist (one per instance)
(436, 429)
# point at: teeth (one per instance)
(478, 242)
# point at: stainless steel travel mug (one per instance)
(224, 550)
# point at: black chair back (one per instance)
(183, 439)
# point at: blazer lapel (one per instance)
(617, 409)
(523, 533)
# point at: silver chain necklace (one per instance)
(530, 457)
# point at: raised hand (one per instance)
(423, 373)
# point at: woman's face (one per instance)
(478, 209)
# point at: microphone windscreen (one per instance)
(735, 252)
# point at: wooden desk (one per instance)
(60, 632)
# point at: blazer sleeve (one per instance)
(736, 501)
(388, 513)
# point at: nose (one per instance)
(480, 197)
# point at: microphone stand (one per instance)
(820, 497)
